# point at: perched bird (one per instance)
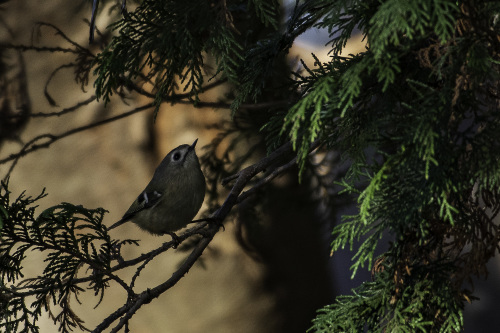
(173, 196)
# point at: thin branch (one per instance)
(254, 169)
(276, 172)
(34, 144)
(24, 48)
(52, 75)
(129, 309)
(66, 38)
(211, 105)
(265, 105)
(161, 249)
(223, 105)
(62, 112)
(46, 140)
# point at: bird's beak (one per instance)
(193, 145)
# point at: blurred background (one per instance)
(275, 287)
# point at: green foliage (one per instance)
(71, 238)
(415, 115)
(165, 42)
(267, 11)
(379, 307)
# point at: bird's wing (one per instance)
(145, 200)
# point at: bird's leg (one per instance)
(175, 238)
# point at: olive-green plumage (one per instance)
(173, 196)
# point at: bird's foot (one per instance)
(175, 239)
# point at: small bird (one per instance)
(173, 197)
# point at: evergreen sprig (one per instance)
(72, 239)
(377, 307)
(413, 114)
(167, 42)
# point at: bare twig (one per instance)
(62, 112)
(66, 38)
(276, 172)
(38, 141)
(24, 48)
(130, 308)
(49, 98)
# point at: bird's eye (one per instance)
(177, 156)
